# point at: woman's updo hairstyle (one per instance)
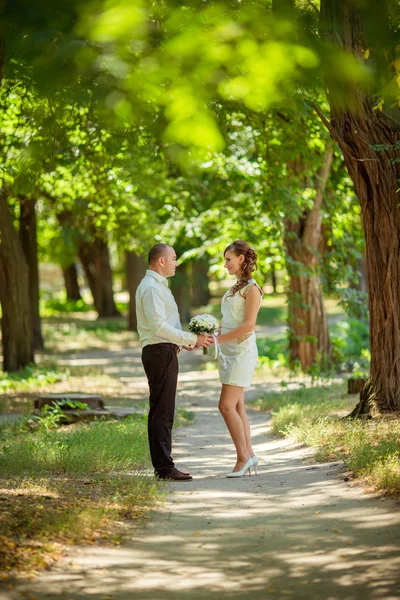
(239, 247)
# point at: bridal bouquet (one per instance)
(203, 324)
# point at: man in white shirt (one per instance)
(161, 337)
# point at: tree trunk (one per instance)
(95, 260)
(28, 238)
(201, 293)
(308, 328)
(14, 296)
(355, 385)
(135, 271)
(375, 174)
(181, 291)
(71, 283)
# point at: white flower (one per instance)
(203, 324)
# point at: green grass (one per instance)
(183, 417)
(312, 416)
(31, 378)
(70, 485)
(58, 304)
(100, 447)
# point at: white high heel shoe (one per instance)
(255, 460)
(243, 471)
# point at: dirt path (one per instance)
(296, 530)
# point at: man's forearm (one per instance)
(176, 336)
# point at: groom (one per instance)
(161, 337)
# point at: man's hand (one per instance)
(188, 348)
(204, 340)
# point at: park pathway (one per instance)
(297, 530)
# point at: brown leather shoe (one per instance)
(176, 475)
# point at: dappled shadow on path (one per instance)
(296, 530)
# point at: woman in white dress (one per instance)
(240, 306)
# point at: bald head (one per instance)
(162, 258)
(156, 251)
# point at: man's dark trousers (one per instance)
(161, 365)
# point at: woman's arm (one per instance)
(252, 307)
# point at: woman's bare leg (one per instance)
(246, 425)
(228, 402)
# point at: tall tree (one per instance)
(368, 133)
(95, 258)
(308, 326)
(71, 282)
(17, 336)
(28, 239)
(19, 312)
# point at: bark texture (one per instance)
(355, 385)
(17, 336)
(71, 283)
(95, 259)
(135, 271)
(28, 238)
(308, 328)
(357, 128)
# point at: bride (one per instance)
(240, 306)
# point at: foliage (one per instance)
(76, 450)
(51, 415)
(354, 303)
(183, 417)
(350, 343)
(101, 170)
(350, 338)
(273, 351)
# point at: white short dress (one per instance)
(241, 354)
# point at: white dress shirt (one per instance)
(157, 313)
